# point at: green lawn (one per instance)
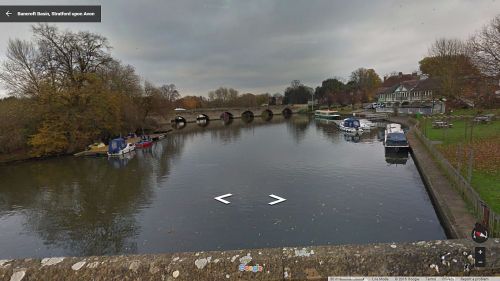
(473, 112)
(457, 133)
(488, 187)
(486, 145)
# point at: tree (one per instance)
(297, 94)
(21, 73)
(169, 92)
(450, 64)
(485, 48)
(190, 102)
(262, 99)
(329, 91)
(75, 117)
(366, 82)
(223, 96)
(65, 57)
(247, 100)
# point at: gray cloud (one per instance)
(260, 46)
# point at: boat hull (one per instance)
(144, 144)
(127, 149)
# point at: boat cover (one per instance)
(116, 145)
(351, 123)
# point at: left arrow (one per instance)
(8, 13)
(219, 198)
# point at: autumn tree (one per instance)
(77, 93)
(449, 62)
(366, 82)
(190, 102)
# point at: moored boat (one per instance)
(395, 138)
(327, 114)
(145, 141)
(366, 124)
(350, 125)
(119, 147)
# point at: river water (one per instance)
(338, 188)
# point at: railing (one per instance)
(480, 209)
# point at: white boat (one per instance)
(350, 125)
(119, 147)
(395, 137)
(366, 124)
(327, 114)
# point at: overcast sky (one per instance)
(260, 46)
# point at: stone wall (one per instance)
(434, 258)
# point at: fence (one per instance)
(479, 207)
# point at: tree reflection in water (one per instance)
(86, 206)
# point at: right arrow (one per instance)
(277, 201)
(219, 198)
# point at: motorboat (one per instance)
(366, 124)
(119, 147)
(395, 137)
(350, 125)
(145, 141)
(327, 114)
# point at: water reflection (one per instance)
(399, 157)
(298, 127)
(83, 206)
(352, 137)
(121, 161)
(160, 199)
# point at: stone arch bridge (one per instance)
(232, 112)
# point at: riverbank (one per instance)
(452, 210)
(456, 142)
(432, 258)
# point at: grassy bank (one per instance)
(485, 143)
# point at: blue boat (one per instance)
(119, 147)
(351, 125)
(395, 138)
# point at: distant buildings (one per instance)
(410, 93)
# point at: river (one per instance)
(338, 188)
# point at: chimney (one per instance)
(400, 74)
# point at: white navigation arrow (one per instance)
(219, 198)
(8, 13)
(277, 201)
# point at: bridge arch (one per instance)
(202, 120)
(247, 116)
(178, 122)
(286, 112)
(267, 114)
(226, 115)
